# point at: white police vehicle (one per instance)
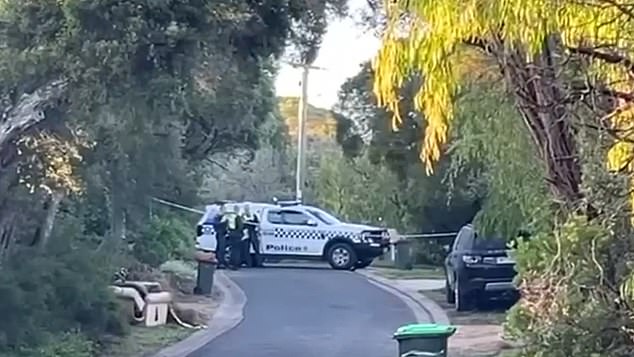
(289, 230)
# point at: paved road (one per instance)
(311, 313)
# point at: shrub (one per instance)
(43, 295)
(181, 269)
(429, 252)
(571, 304)
(66, 344)
(164, 239)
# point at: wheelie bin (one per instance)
(423, 340)
(403, 254)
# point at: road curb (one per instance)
(229, 314)
(423, 307)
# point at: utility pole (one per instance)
(302, 114)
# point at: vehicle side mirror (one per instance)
(446, 248)
(311, 223)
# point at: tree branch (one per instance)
(611, 58)
(29, 109)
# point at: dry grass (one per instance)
(145, 341)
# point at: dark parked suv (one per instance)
(478, 268)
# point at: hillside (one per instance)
(320, 124)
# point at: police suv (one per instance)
(302, 232)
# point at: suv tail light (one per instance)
(471, 259)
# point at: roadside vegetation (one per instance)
(477, 117)
(105, 105)
(532, 126)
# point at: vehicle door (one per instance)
(462, 241)
(302, 232)
(270, 222)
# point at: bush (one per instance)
(181, 269)
(43, 295)
(429, 252)
(67, 344)
(165, 239)
(571, 303)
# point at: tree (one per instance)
(569, 75)
(544, 65)
(167, 62)
(364, 131)
(104, 104)
(359, 191)
(489, 148)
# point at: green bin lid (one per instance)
(424, 330)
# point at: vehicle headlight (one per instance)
(471, 259)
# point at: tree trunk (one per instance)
(49, 221)
(7, 229)
(540, 101)
(116, 205)
(8, 211)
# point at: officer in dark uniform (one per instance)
(235, 231)
(220, 226)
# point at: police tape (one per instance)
(176, 205)
(395, 238)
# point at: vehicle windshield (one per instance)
(323, 216)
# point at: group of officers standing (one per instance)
(237, 229)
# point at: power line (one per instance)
(300, 65)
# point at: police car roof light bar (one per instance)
(289, 203)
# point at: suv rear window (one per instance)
(484, 243)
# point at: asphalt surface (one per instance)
(311, 312)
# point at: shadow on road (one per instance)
(296, 265)
(300, 265)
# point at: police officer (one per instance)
(244, 243)
(234, 236)
(220, 226)
(251, 223)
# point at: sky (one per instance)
(345, 47)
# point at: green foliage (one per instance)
(164, 239)
(426, 203)
(491, 148)
(358, 191)
(66, 344)
(155, 90)
(361, 119)
(43, 295)
(570, 303)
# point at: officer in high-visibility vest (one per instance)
(251, 223)
(235, 232)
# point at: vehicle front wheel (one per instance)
(462, 300)
(363, 263)
(341, 256)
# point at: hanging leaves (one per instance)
(436, 30)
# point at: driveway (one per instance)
(316, 312)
